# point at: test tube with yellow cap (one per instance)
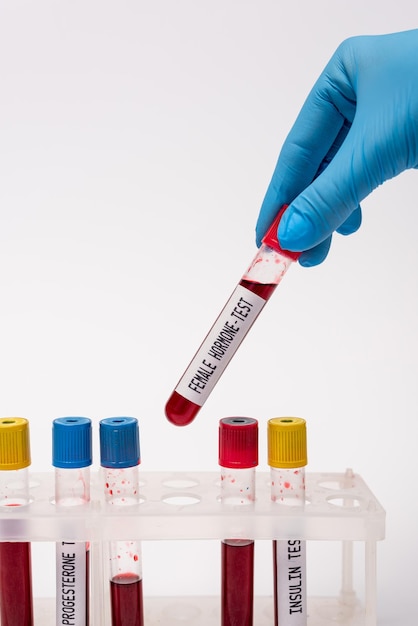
(16, 606)
(287, 458)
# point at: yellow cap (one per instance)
(286, 441)
(14, 443)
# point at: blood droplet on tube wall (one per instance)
(230, 328)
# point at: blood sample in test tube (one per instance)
(238, 458)
(16, 603)
(230, 328)
(287, 458)
(120, 458)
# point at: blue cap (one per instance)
(71, 442)
(119, 442)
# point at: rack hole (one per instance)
(182, 499)
(180, 483)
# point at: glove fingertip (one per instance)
(352, 223)
(316, 255)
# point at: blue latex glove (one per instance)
(357, 128)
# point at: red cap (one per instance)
(238, 442)
(270, 238)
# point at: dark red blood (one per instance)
(126, 601)
(237, 584)
(181, 411)
(16, 608)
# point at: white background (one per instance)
(136, 143)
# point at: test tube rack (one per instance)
(185, 506)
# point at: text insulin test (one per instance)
(230, 328)
(287, 458)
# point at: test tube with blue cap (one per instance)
(120, 458)
(72, 458)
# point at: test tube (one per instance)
(16, 605)
(287, 457)
(230, 328)
(238, 458)
(120, 457)
(72, 458)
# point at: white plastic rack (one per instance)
(182, 506)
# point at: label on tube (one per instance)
(220, 345)
(71, 573)
(291, 582)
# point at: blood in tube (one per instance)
(72, 458)
(230, 328)
(237, 582)
(238, 458)
(264, 291)
(126, 600)
(119, 458)
(287, 457)
(15, 584)
(16, 604)
(181, 411)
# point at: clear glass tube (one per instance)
(289, 556)
(238, 458)
(230, 328)
(14, 487)
(122, 489)
(237, 554)
(72, 486)
(16, 603)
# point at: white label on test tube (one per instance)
(72, 574)
(287, 457)
(288, 488)
(71, 457)
(220, 345)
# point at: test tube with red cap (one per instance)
(230, 328)
(287, 458)
(72, 458)
(16, 604)
(120, 458)
(238, 458)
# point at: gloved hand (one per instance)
(357, 128)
